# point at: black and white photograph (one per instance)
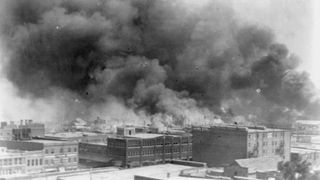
(159, 90)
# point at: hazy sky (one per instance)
(293, 23)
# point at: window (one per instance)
(46, 151)
(69, 149)
(28, 162)
(61, 150)
(75, 159)
(52, 151)
(40, 162)
(75, 149)
(32, 162)
(36, 162)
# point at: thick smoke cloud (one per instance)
(155, 60)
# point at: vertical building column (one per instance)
(141, 153)
(126, 153)
(163, 149)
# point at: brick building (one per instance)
(59, 155)
(17, 162)
(53, 155)
(221, 145)
(130, 149)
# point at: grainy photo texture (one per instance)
(159, 89)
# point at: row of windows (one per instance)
(11, 171)
(157, 151)
(53, 161)
(267, 135)
(265, 151)
(9, 162)
(273, 143)
(34, 162)
(61, 150)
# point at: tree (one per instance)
(296, 169)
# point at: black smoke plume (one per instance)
(158, 59)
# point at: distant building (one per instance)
(221, 145)
(26, 130)
(307, 127)
(6, 131)
(36, 129)
(261, 168)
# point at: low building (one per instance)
(221, 145)
(311, 127)
(254, 167)
(310, 155)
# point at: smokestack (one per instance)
(21, 122)
(30, 121)
(26, 122)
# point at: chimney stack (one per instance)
(21, 122)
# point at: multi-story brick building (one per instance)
(53, 155)
(17, 162)
(137, 149)
(221, 145)
(132, 146)
(59, 155)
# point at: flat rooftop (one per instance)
(302, 150)
(51, 142)
(156, 171)
(309, 146)
(308, 122)
(242, 128)
(74, 134)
